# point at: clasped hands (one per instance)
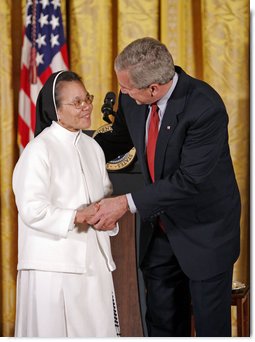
(103, 215)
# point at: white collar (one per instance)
(64, 133)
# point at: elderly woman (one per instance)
(64, 283)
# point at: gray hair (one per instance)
(147, 61)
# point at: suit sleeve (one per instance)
(205, 146)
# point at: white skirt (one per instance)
(55, 304)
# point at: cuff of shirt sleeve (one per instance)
(114, 231)
(131, 204)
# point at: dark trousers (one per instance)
(169, 293)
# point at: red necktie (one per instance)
(152, 138)
(151, 146)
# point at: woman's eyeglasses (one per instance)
(78, 104)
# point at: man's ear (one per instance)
(154, 89)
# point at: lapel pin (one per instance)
(168, 127)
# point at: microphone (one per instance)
(107, 107)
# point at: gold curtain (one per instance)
(8, 216)
(208, 38)
(225, 27)
(91, 42)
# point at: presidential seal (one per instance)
(121, 162)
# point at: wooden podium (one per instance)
(128, 281)
(125, 246)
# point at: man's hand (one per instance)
(110, 211)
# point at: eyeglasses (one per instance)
(78, 104)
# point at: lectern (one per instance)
(127, 277)
(128, 281)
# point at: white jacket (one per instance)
(58, 172)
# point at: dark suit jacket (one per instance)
(195, 191)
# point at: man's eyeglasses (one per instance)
(78, 104)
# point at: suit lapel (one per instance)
(141, 117)
(168, 125)
(175, 106)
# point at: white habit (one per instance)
(64, 285)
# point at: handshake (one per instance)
(103, 215)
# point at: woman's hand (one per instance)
(85, 215)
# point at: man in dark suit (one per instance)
(190, 203)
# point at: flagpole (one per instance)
(32, 66)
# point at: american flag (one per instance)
(44, 51)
